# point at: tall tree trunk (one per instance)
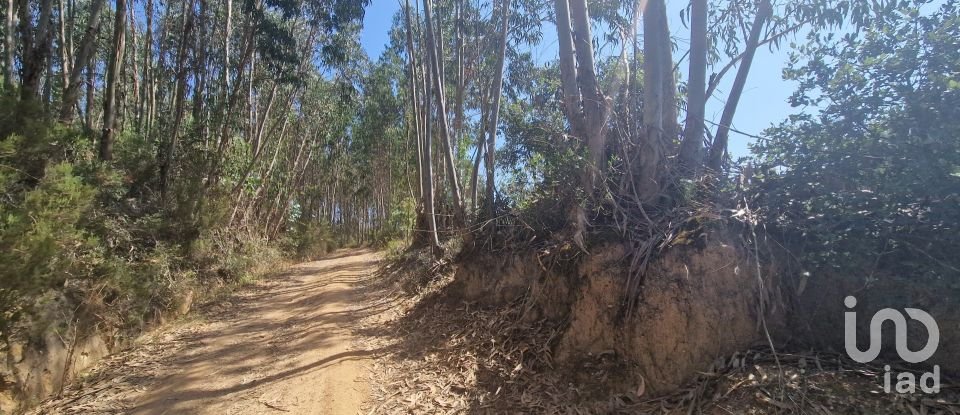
(113, 75)
(293, 184)
(569, 85)
(425, 147)
(91, 85)
(414, 98)
(428, 194)
(691, 148)
(252, 99)
(719, 149)
(496, 89)
(47, 94)
(227, 34)
(83, 61)
(170, 148)
(36, 47)
(461, 81)
(9, 46)
(285, 190)
(568, 69)
(659, 100)
(147, 66)
(434, 61)
(585, 107)
(134, 66)
(200, 71)
(593, 103)
(66, 53)
(481, 145)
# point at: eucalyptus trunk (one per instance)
(113, 76)
(659, 101)
(495, 111)
(718, 151)
(434, 61)
(84, 59)
(691, 147)
(9, 45)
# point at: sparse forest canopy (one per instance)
(150, 147)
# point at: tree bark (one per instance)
(461, 81)
(200, 70)
(91, 85)
(9, 46)
(659, 100)
(147, 67)
(481, 144)
(227, 34)
(36, 47)
(434, 61)
(414, 98)
(497, 89)
(428, 150)
(66, 54)
(691, 148)
(134, 66)
(568, 69)
(593, 103)
(83, 61)
(718, 151)
(113, 75)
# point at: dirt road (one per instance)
(283, 346)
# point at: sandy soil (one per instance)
(282, 346)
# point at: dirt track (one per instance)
(283, 346)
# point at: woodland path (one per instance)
(284, 345)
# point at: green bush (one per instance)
(42, 242)
(311, 241)
(872, 183)
(98, 236)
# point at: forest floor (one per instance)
(283, 345)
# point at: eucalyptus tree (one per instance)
(113, 78)
(82, 62)
(8, 44)
(601, 96)
(36, 41)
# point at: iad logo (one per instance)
(906, 381)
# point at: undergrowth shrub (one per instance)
(41, 241)
(234, 257)
(311, 241)
(875, 191)
(395, 249)
(97, 239)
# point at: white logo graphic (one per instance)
(906, 381)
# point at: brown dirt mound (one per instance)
(697, 304)
(453, 355)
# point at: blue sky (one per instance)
(764, 100)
